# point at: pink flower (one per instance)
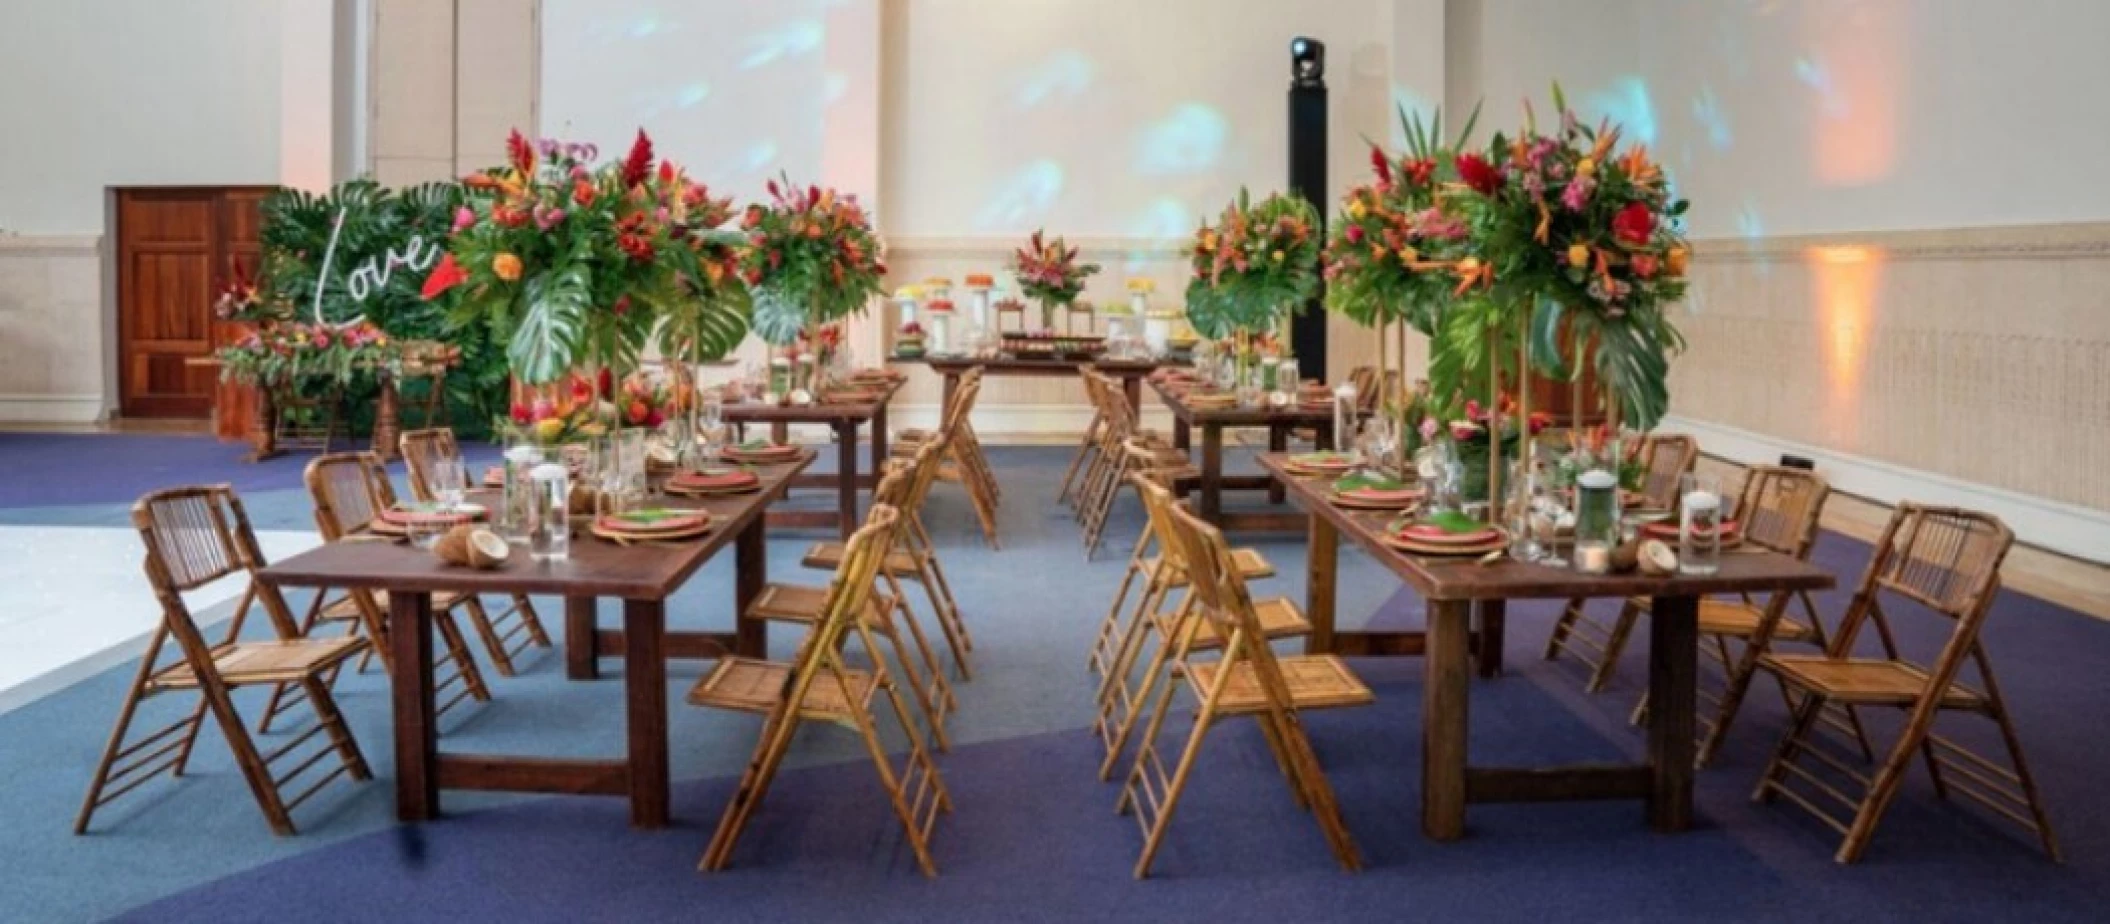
(463, 218)
(322, 339)
(1577, 196)
(1428, 428)
(1354, 234)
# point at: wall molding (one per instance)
(2072, 241)
(2059, 527)
(51, 409)
(41, 245)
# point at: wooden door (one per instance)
(176, 248)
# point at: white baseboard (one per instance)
(2059, 527)
(51, 409)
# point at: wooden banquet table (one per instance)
(1280, 422)
(1453, 586)
(843, 418)
(643, 575)
(1131, 372)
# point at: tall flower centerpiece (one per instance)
(811, 258)
(575, 266)
(1392, 256)
(1049, 273)
(1253, 269)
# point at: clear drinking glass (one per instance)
(1596, 520)
(549, 513)
(1520, 491)
(1699, 524)
(450, 482)
(518, 494)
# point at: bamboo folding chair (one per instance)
(889, 609)
(1088, 445)
(1948, 561)
(817, 686)
(1154, 465)
(1178, 631)
(350, 489)
(1780, 509)
(915, 557)
(1248, 679)
(195, 536)
(1666, 457)
(512, 632)
(965, 463)
(1103, 483)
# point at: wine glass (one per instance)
(710, 428)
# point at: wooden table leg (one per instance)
(417, 727)
(879, 443)
(1212, 484)
(387, 419)
(1277, 441)
(952, 384)
(1322, 566)
(1673, 655)
(750, 574)
(780, 433)
(1444, 695)
(1490, 618)
(582, 645)
(1132, 386)
(645, 686)
(846, 478)
(1182, 435)
(263, 433)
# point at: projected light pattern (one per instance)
(1023, 198)
(1066, 75)
(795, 38)
(1627, 102)
(1707, 110)
(1190, 140)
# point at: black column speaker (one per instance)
(1307, 178)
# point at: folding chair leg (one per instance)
(340, 735)
(918, 759)
(1101, 659)
(932, 714)
(941, 689)
(1562, 628)
(1163, 819)
(1614, 645)
(480, 620)
(754, 784)
(1159, 658)
(2024, 781)
(458, 652)
(254, 771)
(1884, 785)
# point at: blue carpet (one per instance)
(1033, 836)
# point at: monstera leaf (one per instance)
(555, 313)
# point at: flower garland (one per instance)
(289, 352)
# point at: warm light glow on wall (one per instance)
(1845, 278)
(1855, 74)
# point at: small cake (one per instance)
(980, 281)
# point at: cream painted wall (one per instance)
(1885, 279)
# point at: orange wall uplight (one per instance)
(1845, 279)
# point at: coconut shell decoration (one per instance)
(471, 546)
(1626, 557)
(1657, 560)
(584, 500)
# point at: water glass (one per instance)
(1699, 524)
(517, 497)
(549, 513)
(450, 482)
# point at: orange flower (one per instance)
(506, 266)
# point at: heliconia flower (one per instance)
(1645, 265)
(1383, 165)
(519, 153)
(666, 171)
(1478, 174)
(522, 414)
(621, 306)
(464, 217)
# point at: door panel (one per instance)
(176, 249)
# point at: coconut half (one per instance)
(1657, 559)
(471, 546)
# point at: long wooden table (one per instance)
(1453, 586)
(1131, 372)
(843, 418)
(1279, 423)
(642, 575)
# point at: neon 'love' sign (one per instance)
(415, 254)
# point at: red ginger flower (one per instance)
(638, 165)
(1383, 165)
(1479, 174)
(520, 153)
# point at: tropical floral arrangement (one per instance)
(1475, 436)
(1575, 232)
(1049, 272)
(1393, 252)
(811, 257)
(289, 352)
(242, 301)
(1256, 266)
(822, 343)
(575, 265)
(556, 413)
(645, 402)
